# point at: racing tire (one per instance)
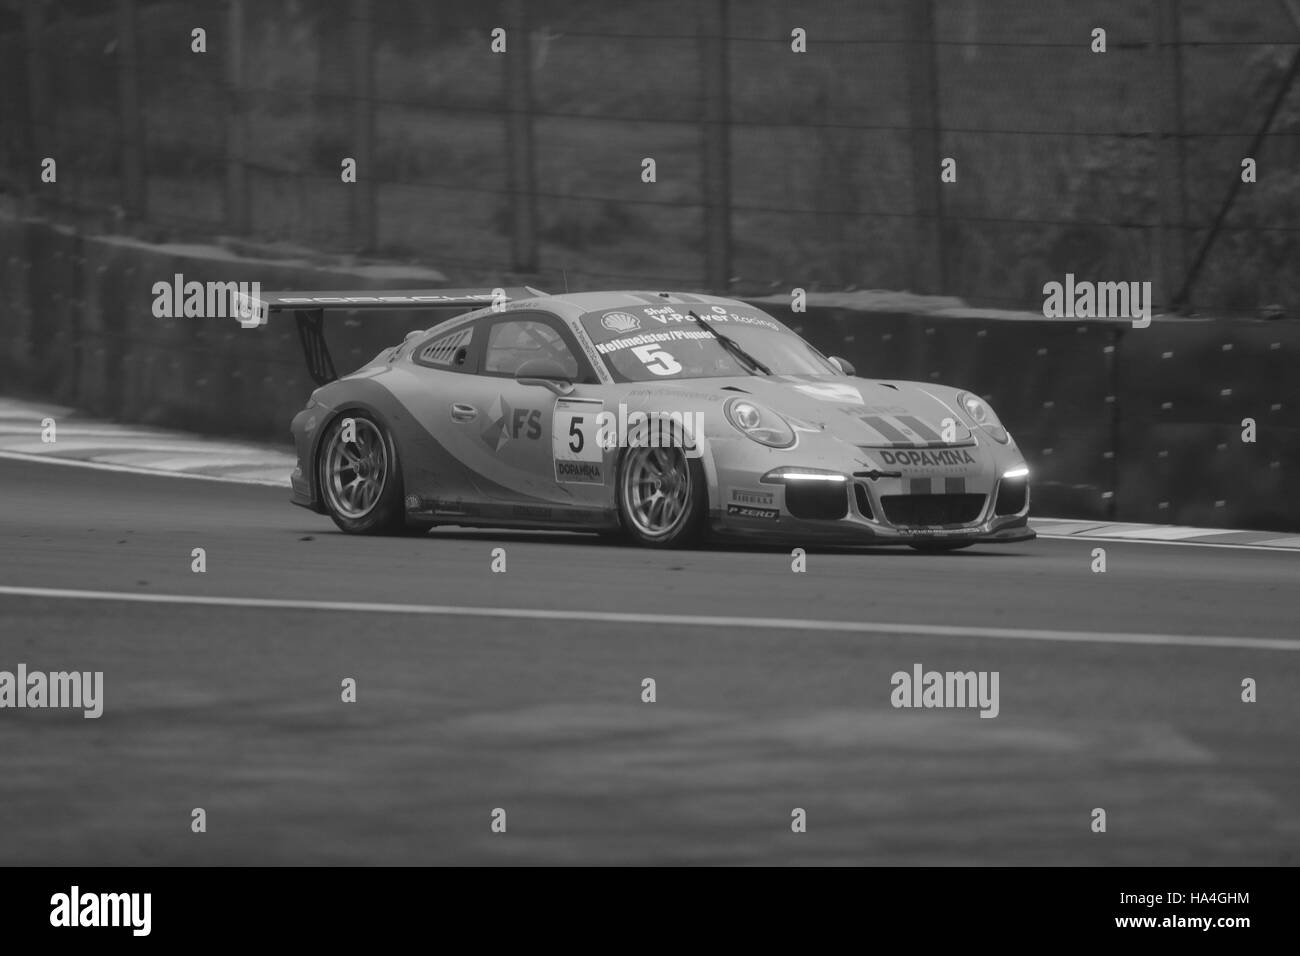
(938, 547)
(361, 480)
(662, 497)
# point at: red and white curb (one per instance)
(89, 443)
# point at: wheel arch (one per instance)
(377, 400)
(345, 410)
(700, 439)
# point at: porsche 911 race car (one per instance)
(663, 416)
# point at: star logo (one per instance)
(497, 432)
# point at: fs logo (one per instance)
(620, 322)
(510, 423)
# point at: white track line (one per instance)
(1165, 534)
(1082, 539)
(685, 620)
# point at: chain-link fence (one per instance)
(793, 144)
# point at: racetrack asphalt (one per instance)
(762, 705)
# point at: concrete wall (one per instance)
(1117, 423)
(77, 327)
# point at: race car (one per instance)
(662, 416)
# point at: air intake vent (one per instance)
(820, 500)
(863, 499)
(918, 511)
(1011, 496)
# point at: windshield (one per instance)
(648, 342)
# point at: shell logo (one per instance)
(620, 322)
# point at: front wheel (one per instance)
(662, 497)
(361, 483)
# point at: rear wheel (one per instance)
(361, 482)
(662, 497)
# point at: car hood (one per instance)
(871, 413)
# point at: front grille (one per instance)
(823, 500)
(905, 511)
(1011, 496)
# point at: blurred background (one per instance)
(775, 169)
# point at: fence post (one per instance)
(236, 123)
(716, 131)
(929, 272)
(365, 191)
(130, 126)
(1171, 236)
(522, 183)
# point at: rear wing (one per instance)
(309, 310)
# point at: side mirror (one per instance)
(844, 365)
(546, 373)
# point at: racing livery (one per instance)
(664, 416)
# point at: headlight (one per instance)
(794, 473)
(761, 424)
(978, 411)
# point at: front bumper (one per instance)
(857, 511)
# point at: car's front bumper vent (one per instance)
(863, 499)
(821, 500)
(1011, 496)
(905, 511)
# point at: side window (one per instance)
(450, 351)
(514, 343)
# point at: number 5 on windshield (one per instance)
(656, 360)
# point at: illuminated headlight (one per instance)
(978, 411)
(1021, 472)
(779, 475)
(761, 424)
